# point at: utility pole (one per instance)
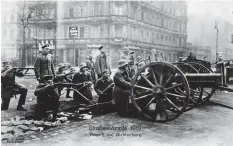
(217, 30)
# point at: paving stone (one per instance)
(39, 123)
(28, 122)
(54, 134)
(46, 136)
(29, 133)
(6, 136)
(6, 123)
(6, 129)
(23, 127)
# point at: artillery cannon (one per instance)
(162, 91)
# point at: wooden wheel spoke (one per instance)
(141, 87)
(150, 102)
(193, 100)
(195, 91)
(176, 95)
(147, 80)
(161, 79)
(144, 96)
(154, 77)
(172, 103)
(169, 80)
(174, 86)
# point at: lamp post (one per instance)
(217, 30)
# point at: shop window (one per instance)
(119, 9)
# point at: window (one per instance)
(119, 9)
(118, 30)
(97, 9)
(161, 37)
(71, 12)
(153, 37)
(96, 31)
(147, 33)
(134, 12)
(82, 32)
(166, 37)
(170, 38)
(174, 39)
(158, 36)
(29, 33)
(142, 16)
(142, 34)
(82, 11)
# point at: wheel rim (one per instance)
(194, 91)
(205, 92)
(153, 91)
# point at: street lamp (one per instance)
(216, 27)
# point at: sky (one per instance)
(223, 9)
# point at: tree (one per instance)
(24, 13)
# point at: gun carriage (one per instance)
(162, 91)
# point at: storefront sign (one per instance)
(73, 31)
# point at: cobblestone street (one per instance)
(205, 125)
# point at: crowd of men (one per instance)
(90, 73)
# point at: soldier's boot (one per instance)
(5, 104)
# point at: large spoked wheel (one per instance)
(206, 92)
(153, 91)
(194, 90)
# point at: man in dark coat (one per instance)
(91, 67)
(131, 64)
(121, 91)
(83, 77)
(101, 62)
(10, 87)
(44, 64)
(104, 88)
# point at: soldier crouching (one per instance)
(103, 88)
(47, 98)
(82, 77)
(10, 87)
(121, 91)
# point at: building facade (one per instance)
(138, 26)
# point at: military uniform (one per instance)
(91, 68)
(121, 91)
(43, 66)
(100, 86)
(47, 99)
(10, 87)
(82, 77)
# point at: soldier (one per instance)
(221, 68)
(47, 98)
(91, 67)
(121, 91)
(103, 88)
(191, 57)
(10, 87)
(69, 77)
(60, 71)
(44, 64)
(84, 77)
(131, 64)
(101, 62)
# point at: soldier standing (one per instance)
(44, 64)
(131, 64)
(10, 87)
(221, 68)
(121, 91)
(91, 67)
(101, 62)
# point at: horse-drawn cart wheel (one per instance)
(153, 91)
(194, 90)
(205, 93)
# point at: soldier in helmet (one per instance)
(91, 67)
(44, 64)
(60, 71)
(121, 91)
(10, 87)
(131, 64)
(83, 77)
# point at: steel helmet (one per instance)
(122, 63)
(82, 65)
